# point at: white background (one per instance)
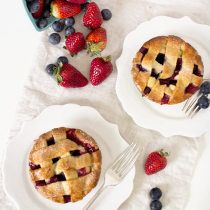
(18, 39)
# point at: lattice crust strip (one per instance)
(65, 164)
(167, 70)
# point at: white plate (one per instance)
(15, 166)
(169, 120)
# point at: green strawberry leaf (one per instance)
(64, 47)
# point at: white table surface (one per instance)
(18, 39)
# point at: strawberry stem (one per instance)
(108, 58)
(163, 154)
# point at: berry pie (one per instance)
(65, 164)
(167, 70)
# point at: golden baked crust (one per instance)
(65, 164)
(167, 70)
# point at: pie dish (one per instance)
(65, 164)
(167, 70)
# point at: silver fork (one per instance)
(192, 103)
(118, 169)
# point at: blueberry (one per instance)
(69, 21)
(203, 102)
(205, 88)
(42, 22)
(155, 193)
(106, 13)
(34, 6)
(49, 69)
(46, 13)
(54, 38)
(84, 6)
(69, 30)
(58, 26)
(62, 59)
(155, 205)
(29, 0)
(47, 3)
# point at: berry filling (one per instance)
(82, 172)
(165, 99)
(40, 183)
(171, 80)
(67, 198)
(197, 71)
(160, 58)
(50, 141)
(56, 159)
(52, 180)
(141, 68)
(72, 136)
(61, 177)
(153, 74)
(146, 91)
(144, 51)
(33, 166)
(191, 89)
(77, 153)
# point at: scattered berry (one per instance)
(69, 21)
(155, 162)
(203, 102)
(49, 69)
(75, 43)
(46, 13)
(77, 1)
(34, 6)
(58, 26)
(84, 6)
(42, 22)
(155, 205)
(69, 30)
(68, 76)
(92, 18)
(155, 193)
(96, 41)
(54, 38)
(62, 59)
(106, 13)
(39, 12)
(29, 0)
(64, 9)
(100, 69)
(47, 3)
(205, 88)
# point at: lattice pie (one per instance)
(65, 164)
(167, 70)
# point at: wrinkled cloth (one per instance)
(41, 91)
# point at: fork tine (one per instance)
(192, 110)
(188, 101)
(196, 111)
(195, 98)
(131, 162)
(119, 160)
(128, 159)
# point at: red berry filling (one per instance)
(56, 159)
(50, 141)
(72, 136)
(67, 198)
(197, 71)
(153, 74)
(61, 177)
(77, 153)
(160, 58)
(40, 183)
(52, 180)
(146, 91)
(165, 99)
(82, 172)
(33, 166)
(191, 89)
(144, 51)
(141, 68)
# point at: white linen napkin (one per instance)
(41, 91)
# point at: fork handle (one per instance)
(103, 187)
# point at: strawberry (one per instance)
(39, 12)
(155, 162)
(68, 76)
(100, 69)
(93, 17)
(96, 41)
(77, 1)
(64, 9)
(75, 43)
